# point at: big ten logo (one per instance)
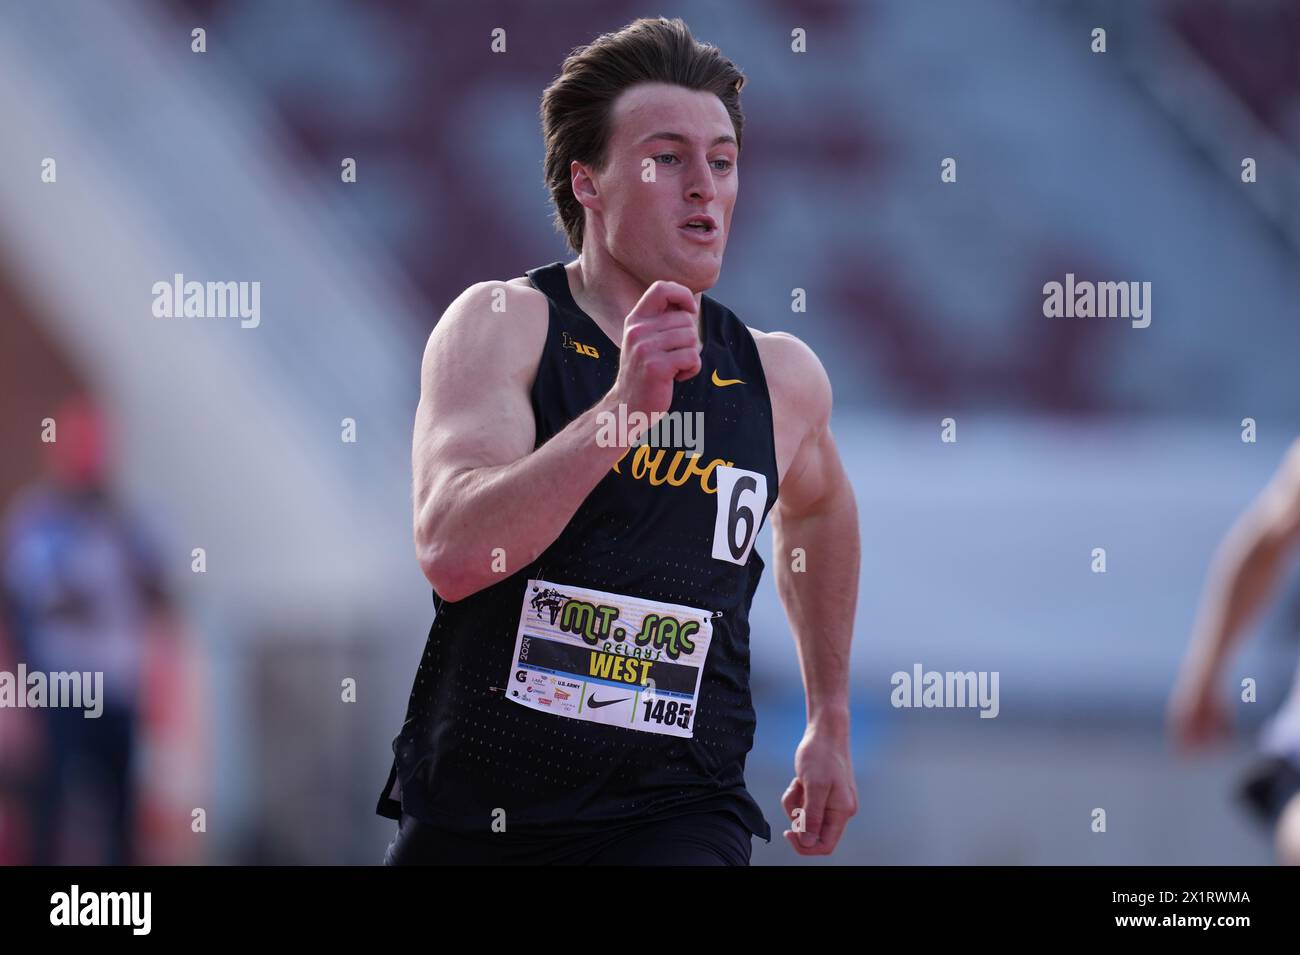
(588, 350)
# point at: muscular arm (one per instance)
(478, 483)
(1246, 568)
(817, 513)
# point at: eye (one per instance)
(726, 164)
(666, 156)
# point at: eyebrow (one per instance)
(679, 138)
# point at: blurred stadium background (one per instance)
(924, 302)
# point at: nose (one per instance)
(699, 184)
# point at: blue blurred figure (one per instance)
(79, 585)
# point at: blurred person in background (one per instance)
(17, 742)
(80, 587)
(1241, 581)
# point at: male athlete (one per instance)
(584, 692)
(1244, 575)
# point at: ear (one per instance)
(584, 186)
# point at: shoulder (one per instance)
(499, 301)
(1279, 505)
(507, 318)
(1291, 462)
(34, 510)
(795, 375)
(32, 505)
(1286, 482)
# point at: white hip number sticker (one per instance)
(741, 497)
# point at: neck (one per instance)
(607, 291)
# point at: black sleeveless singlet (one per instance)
(649, 530)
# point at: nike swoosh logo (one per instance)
(591, 701)
(723, 382)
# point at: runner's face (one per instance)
(687, 139)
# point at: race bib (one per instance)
(609, 658)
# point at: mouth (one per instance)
(700, 228)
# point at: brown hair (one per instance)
(576, 107)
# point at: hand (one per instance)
(824, 788)
(660, 346)
(1197, 717)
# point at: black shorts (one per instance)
(1269, 785)
(701, 838)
